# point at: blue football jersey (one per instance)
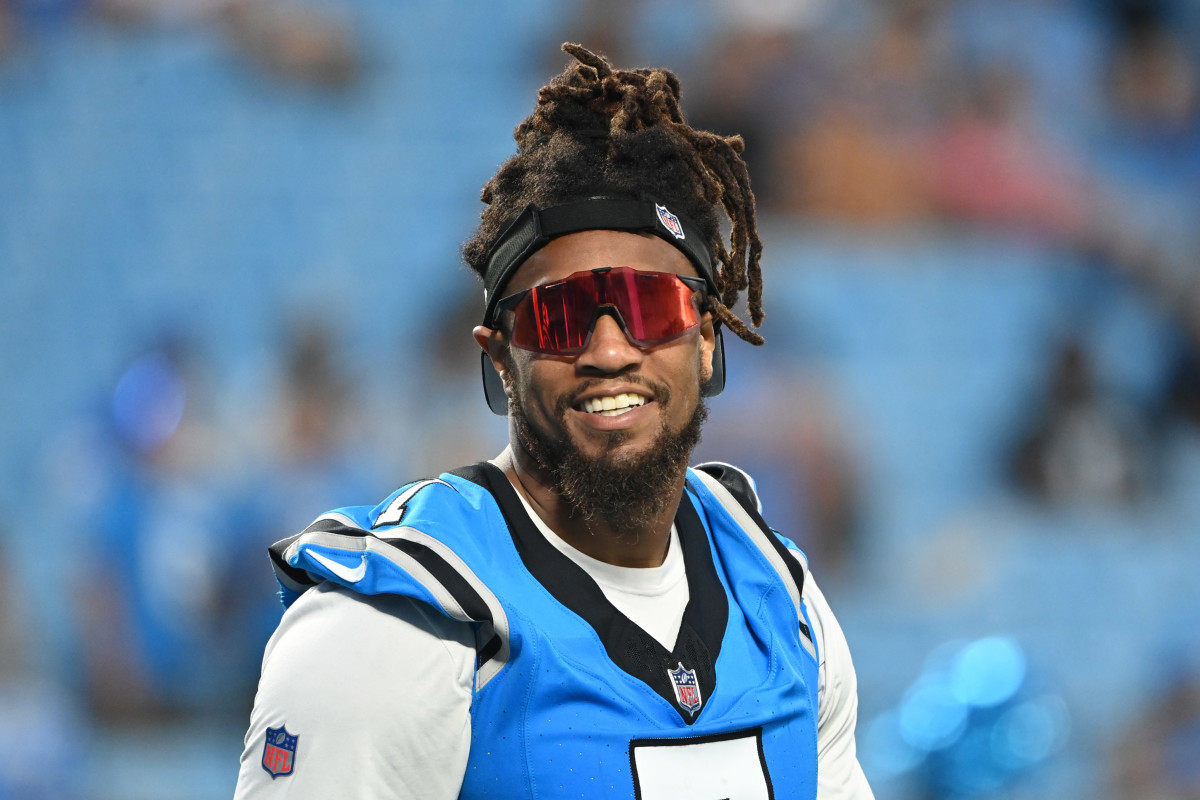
(571, 698)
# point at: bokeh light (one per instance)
(148, 402)
(987, 672)
(931, 717)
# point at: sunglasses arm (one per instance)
(493, 387)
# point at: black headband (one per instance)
(534, 227)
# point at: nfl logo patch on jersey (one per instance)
(669, 221)
(687, 688)
(279, 753)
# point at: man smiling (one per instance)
(603, 435)
(583, 615)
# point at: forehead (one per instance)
(586, 250)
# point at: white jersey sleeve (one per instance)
(377, 691)
(839, 775)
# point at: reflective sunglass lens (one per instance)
(557, 318)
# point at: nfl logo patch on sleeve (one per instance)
(279, 753)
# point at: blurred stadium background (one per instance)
(232, 299)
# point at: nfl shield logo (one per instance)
(687, 689)
(279, 754)
(669, 221)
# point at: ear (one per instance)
(494, 345)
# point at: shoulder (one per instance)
(331, 674)
(423, 520)
(429, 541)
(735, 489)
(331, 611)
(427, 502)
(334, 644)
(741, 487)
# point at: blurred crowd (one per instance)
(292, 42)
(1072, 126)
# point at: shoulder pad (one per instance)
(737, 481)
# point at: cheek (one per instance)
(683, 370)
(533, 380)
(695, 363)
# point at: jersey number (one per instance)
(728, 766)
(396, 509)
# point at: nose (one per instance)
(608, 351)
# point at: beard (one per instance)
(624, 491)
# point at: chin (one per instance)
(620, 445)
(618, 476)
(621, 452)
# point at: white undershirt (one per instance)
(653, 597)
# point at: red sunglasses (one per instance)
(558, 318)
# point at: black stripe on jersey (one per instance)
(294, 574)
(330, 525)
(739, 485)
(488, 651)
(463, 593)
(299, 576)
(634, 651)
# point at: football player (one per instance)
(583, 615)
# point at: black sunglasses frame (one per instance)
(493, 385)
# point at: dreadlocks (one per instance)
(597, 131)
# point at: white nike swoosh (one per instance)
(341, 570)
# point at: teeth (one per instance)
(613, 405)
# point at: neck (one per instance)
(639, 545)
